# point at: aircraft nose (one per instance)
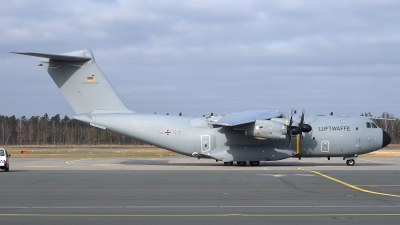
(386, 139)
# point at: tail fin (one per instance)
(82, 82)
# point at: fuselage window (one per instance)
(368, 125)
(374, 125)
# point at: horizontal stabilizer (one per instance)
(68, 58)
(246, 117)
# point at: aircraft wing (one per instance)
(246, 117)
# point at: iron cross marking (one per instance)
(167, 132)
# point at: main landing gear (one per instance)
(243, 163)
(254, 163)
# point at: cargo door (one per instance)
(205, 144)
(208, 143)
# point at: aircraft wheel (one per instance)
(228, 163)
(241, 163)
(350, 162)
(254, 163)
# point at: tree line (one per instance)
(44, 130)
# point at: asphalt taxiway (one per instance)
(191, 191)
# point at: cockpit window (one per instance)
(368, 125)
(374, 125)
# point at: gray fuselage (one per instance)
(331, 136)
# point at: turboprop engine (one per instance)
(263, 129)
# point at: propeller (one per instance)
(294, 130)
(304, 127)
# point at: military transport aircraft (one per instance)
(249, 136)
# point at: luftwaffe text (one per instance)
(334, 128)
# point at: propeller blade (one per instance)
(291, 119)
(289, 129)
(302, 117)
(292, 130)
(304, 127)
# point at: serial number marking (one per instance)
(169, 132)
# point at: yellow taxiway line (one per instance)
(378, 185)
(349, 185)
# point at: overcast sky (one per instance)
(198, 57)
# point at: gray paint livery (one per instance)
(250, 136)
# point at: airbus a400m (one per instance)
(249, 136)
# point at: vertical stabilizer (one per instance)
(82, 82)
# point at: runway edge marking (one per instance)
(349, 185)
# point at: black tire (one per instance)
(228, 163)
(241, 163)
(254, 163)
(350, 162)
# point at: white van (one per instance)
(4, 160)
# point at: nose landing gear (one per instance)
(350, 160)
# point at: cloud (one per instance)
(203, 56)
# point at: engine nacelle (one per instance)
(267, 129)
